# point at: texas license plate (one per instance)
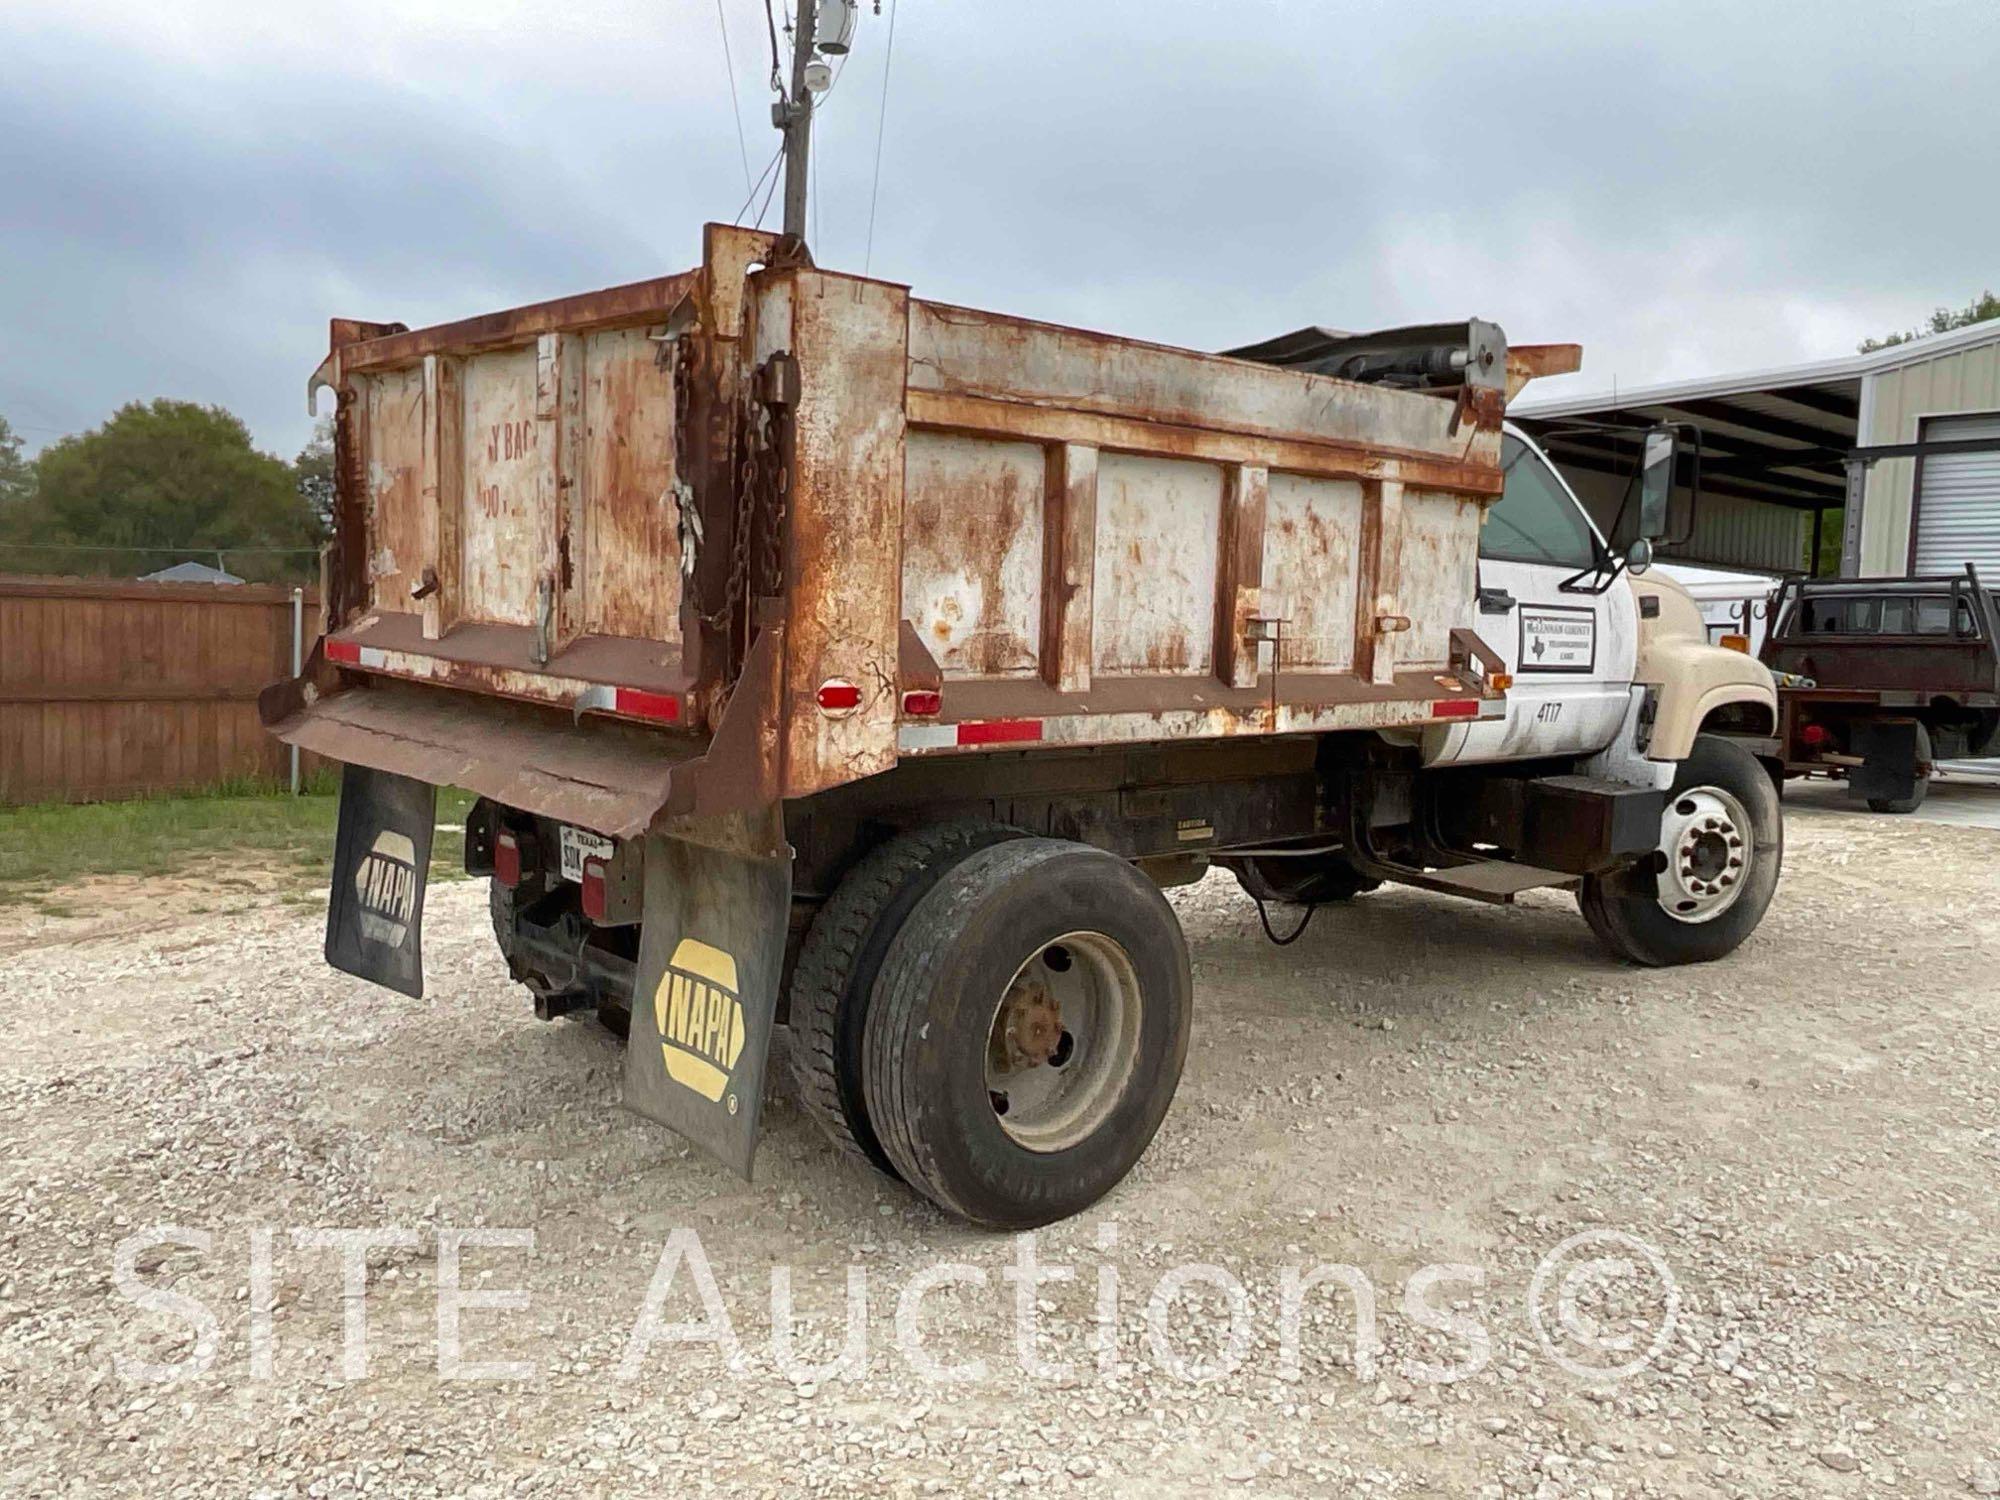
(579, 844)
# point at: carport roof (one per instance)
(1778, 435)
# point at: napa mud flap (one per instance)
(710, 957)
(381, 854)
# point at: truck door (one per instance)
(1571, 652)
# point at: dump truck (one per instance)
(836, 664)
(1883, 677)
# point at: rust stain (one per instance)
(973, 553)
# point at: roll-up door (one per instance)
(1958, 500)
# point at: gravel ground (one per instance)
(1806, 1135)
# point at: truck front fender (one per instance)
(1692, 679)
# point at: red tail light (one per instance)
(838, 696)
(923, 703)
(507, 860)
(1815, 735)
(593, 889)
(644, 705)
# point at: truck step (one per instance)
(1497, 881)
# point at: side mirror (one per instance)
(1656, 481)
(1638, 556)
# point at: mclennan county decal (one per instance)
(385, 884)
(1557, 638)
(700, 1019)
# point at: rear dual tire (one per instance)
(1022, 1036)
(1005, 917)
(838, 963)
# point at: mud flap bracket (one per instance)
(711, 954)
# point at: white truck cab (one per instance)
(1554, 605)
(1590, 639)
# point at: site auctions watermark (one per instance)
(1603, 1306)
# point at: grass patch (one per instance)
(50, 845)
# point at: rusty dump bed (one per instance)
(759, 529)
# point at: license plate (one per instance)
(579, 844)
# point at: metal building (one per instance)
(1899, 449)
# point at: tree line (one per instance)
(163, 482)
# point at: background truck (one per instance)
(1894, 675)
(827, 657)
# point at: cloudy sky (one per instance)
(190, 188)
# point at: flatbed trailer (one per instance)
(1883, 677)
(831, 659)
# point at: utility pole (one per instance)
(797, 122)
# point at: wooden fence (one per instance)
(110, 688)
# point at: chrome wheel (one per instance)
(1709, 845)
(1063, 1041)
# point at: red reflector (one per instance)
(347, 651)
(644, 705)
(507, 860)
(593, 889)
(837, 696)
(923, 703)
(999, 731)
(1455, 708)
(1815, 734)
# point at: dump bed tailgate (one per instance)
(507, 490)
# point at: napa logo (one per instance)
(385, 887)
(700, 1019)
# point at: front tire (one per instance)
(1710, 883)
(1027, 1032)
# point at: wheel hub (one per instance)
(1028, 1031)
(1707, 849)
(1063, 1042)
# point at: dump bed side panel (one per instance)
(1312, 541)
(1097, 528)
(973, 540)
(1159, 529)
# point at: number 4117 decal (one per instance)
(1548, 713)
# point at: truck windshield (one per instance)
(1535, 521)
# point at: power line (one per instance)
(777, 71)
(737, 217)
(769, 192)
(881, 119)
(735, 104)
